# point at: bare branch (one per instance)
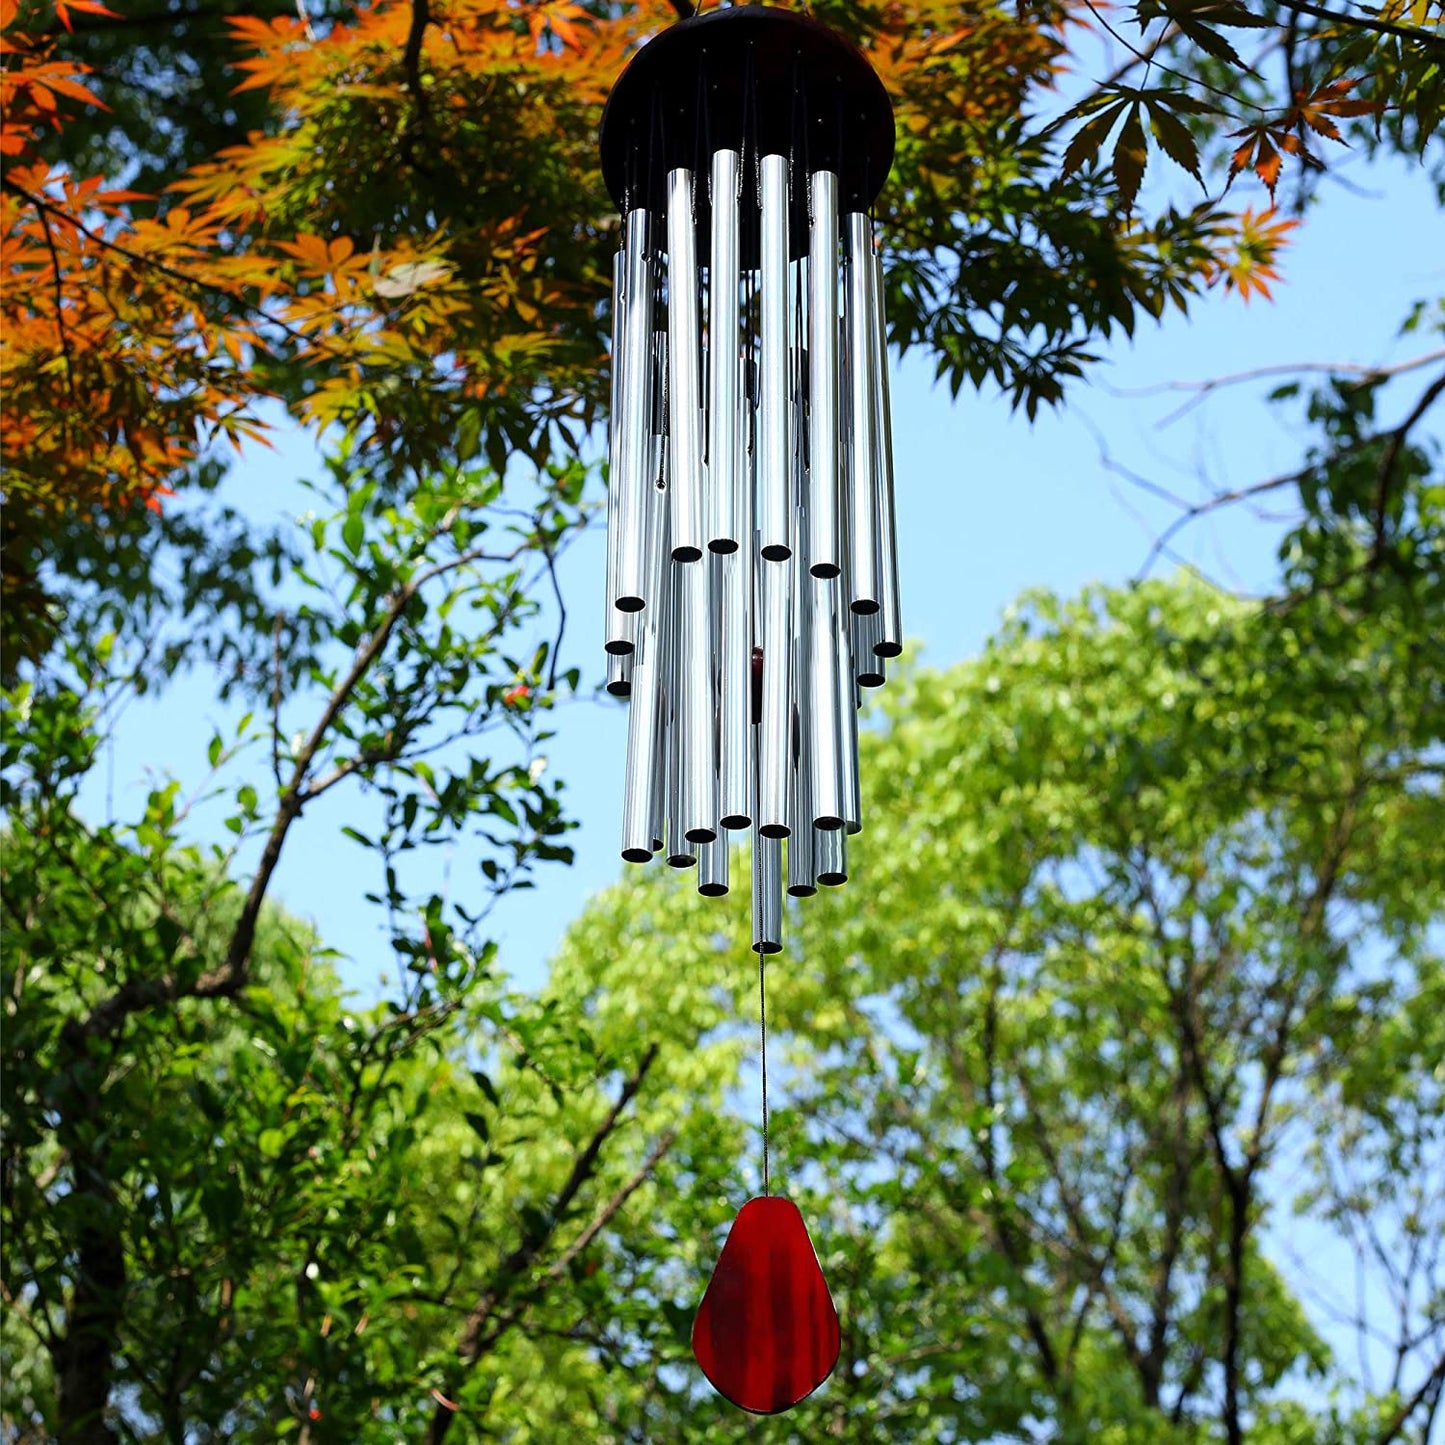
(1096, 1265)
(1201, 390)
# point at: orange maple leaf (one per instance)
(1253, 267)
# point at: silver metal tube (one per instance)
(767, 895)
(802, 867)
(848, 725)
(723, 411)
(652, 504)
(863, 589)
(712, 868)
(735, 691)
(774, 402)
(645, 777)
(801, 880)
(646, 741)
(634, 411)
(660, 462)
(639, 781)
(669, 627)
(622, 626)
(657, 815)
(680, 853)
(824, 706)
(614, 618)
(697, 756)
(889, 643)
(774, 751)
(684, 348)
(868, 666)
(619, 331)
(619, 674)
(832, 858)
(845, 455)
(619, 641)
(825, 545)
(656, 637)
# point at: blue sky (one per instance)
(988, 506)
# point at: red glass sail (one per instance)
(766, 1333)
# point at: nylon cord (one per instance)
(763, 1050)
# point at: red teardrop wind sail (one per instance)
(766, 1333)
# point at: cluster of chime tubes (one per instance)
(752, 574)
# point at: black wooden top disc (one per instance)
(752, 78)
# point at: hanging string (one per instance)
(763, 1052)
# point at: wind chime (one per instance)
(752, 580)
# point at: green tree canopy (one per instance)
(1123, 1041)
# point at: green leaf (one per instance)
(487, 1087)
(1089, 139)
(1131, 153)
(1211, 42)
(1175, 140)
(469, 434)
(353, 532)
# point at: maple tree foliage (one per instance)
(412, 240)
(388, 219)
(1320, 77)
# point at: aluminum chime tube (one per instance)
(752, 573)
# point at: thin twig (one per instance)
(230, 976)
(478, 1333)
(551, 561)
(1390, 457)
(1366, 22)
(1151, 59)
(66, 355)
(276, 699)
(1202, 389)
(1432, 1383)
(151, 262)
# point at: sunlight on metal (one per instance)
(752, 565)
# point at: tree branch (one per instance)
(1004, 1231)
(1180, 1165)
(161, 268)
(1431, 1385)
(475, 1335)
(108, 1016)
(1365, 375)
(1366, 22)
(1095, 1265)
(1390, 458)
(606, 1213)
(420, 115)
